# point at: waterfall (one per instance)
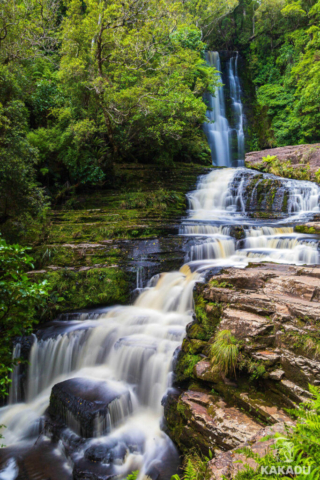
(235, 94)
(219, 203)
(127, 349)
(222, 196)
(127, 352)
(218, 131)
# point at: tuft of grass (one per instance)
(224, 352)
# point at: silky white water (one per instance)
(220, 198)
(130, 347)
(224, 151)
(237, 107)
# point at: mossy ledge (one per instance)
(91, 245)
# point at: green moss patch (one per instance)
(84, 289)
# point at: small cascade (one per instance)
(216, 247)
(224, 151)
(15, 390)
(128, 348)
(237, 107)
(226, 196)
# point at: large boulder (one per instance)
(204, 420)
(89, 407)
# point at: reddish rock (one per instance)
(299, 155)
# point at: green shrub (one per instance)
(194, 467)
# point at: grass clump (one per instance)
(224, 352)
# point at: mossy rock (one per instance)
(184, 368)
(77, 290)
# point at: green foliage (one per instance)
(224, 352)
(144, 92)
(20, 300)
(271, 164)
(194, 466)
(19, 191)
(280, 41)
(185, 366)
(83, 89)
(75, 290)
(300, 444)
(133, 475)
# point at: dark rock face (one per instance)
(263, 195)
(86, 406)
(34, 460)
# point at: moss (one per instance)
(185, 366)
(197, 332)
(215, 283)
(142, 202)
(83, 289)
(306, 345)
(305, 229)
(193, 346)
(282, 168)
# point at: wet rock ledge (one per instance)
(273, 312)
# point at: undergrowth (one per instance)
(271, 164)
(297, 452)
(194, 466)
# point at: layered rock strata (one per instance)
(273, 312)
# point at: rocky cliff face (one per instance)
(273, 312)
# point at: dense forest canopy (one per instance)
(87, 84)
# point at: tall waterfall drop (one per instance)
(225, 152)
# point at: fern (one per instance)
(133, 475)
(301, 445)
(194, 466)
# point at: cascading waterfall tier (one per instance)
(220, 135)
(221, 229)
(230, 195)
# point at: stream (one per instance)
(121, 358)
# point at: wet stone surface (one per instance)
(86, 405)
